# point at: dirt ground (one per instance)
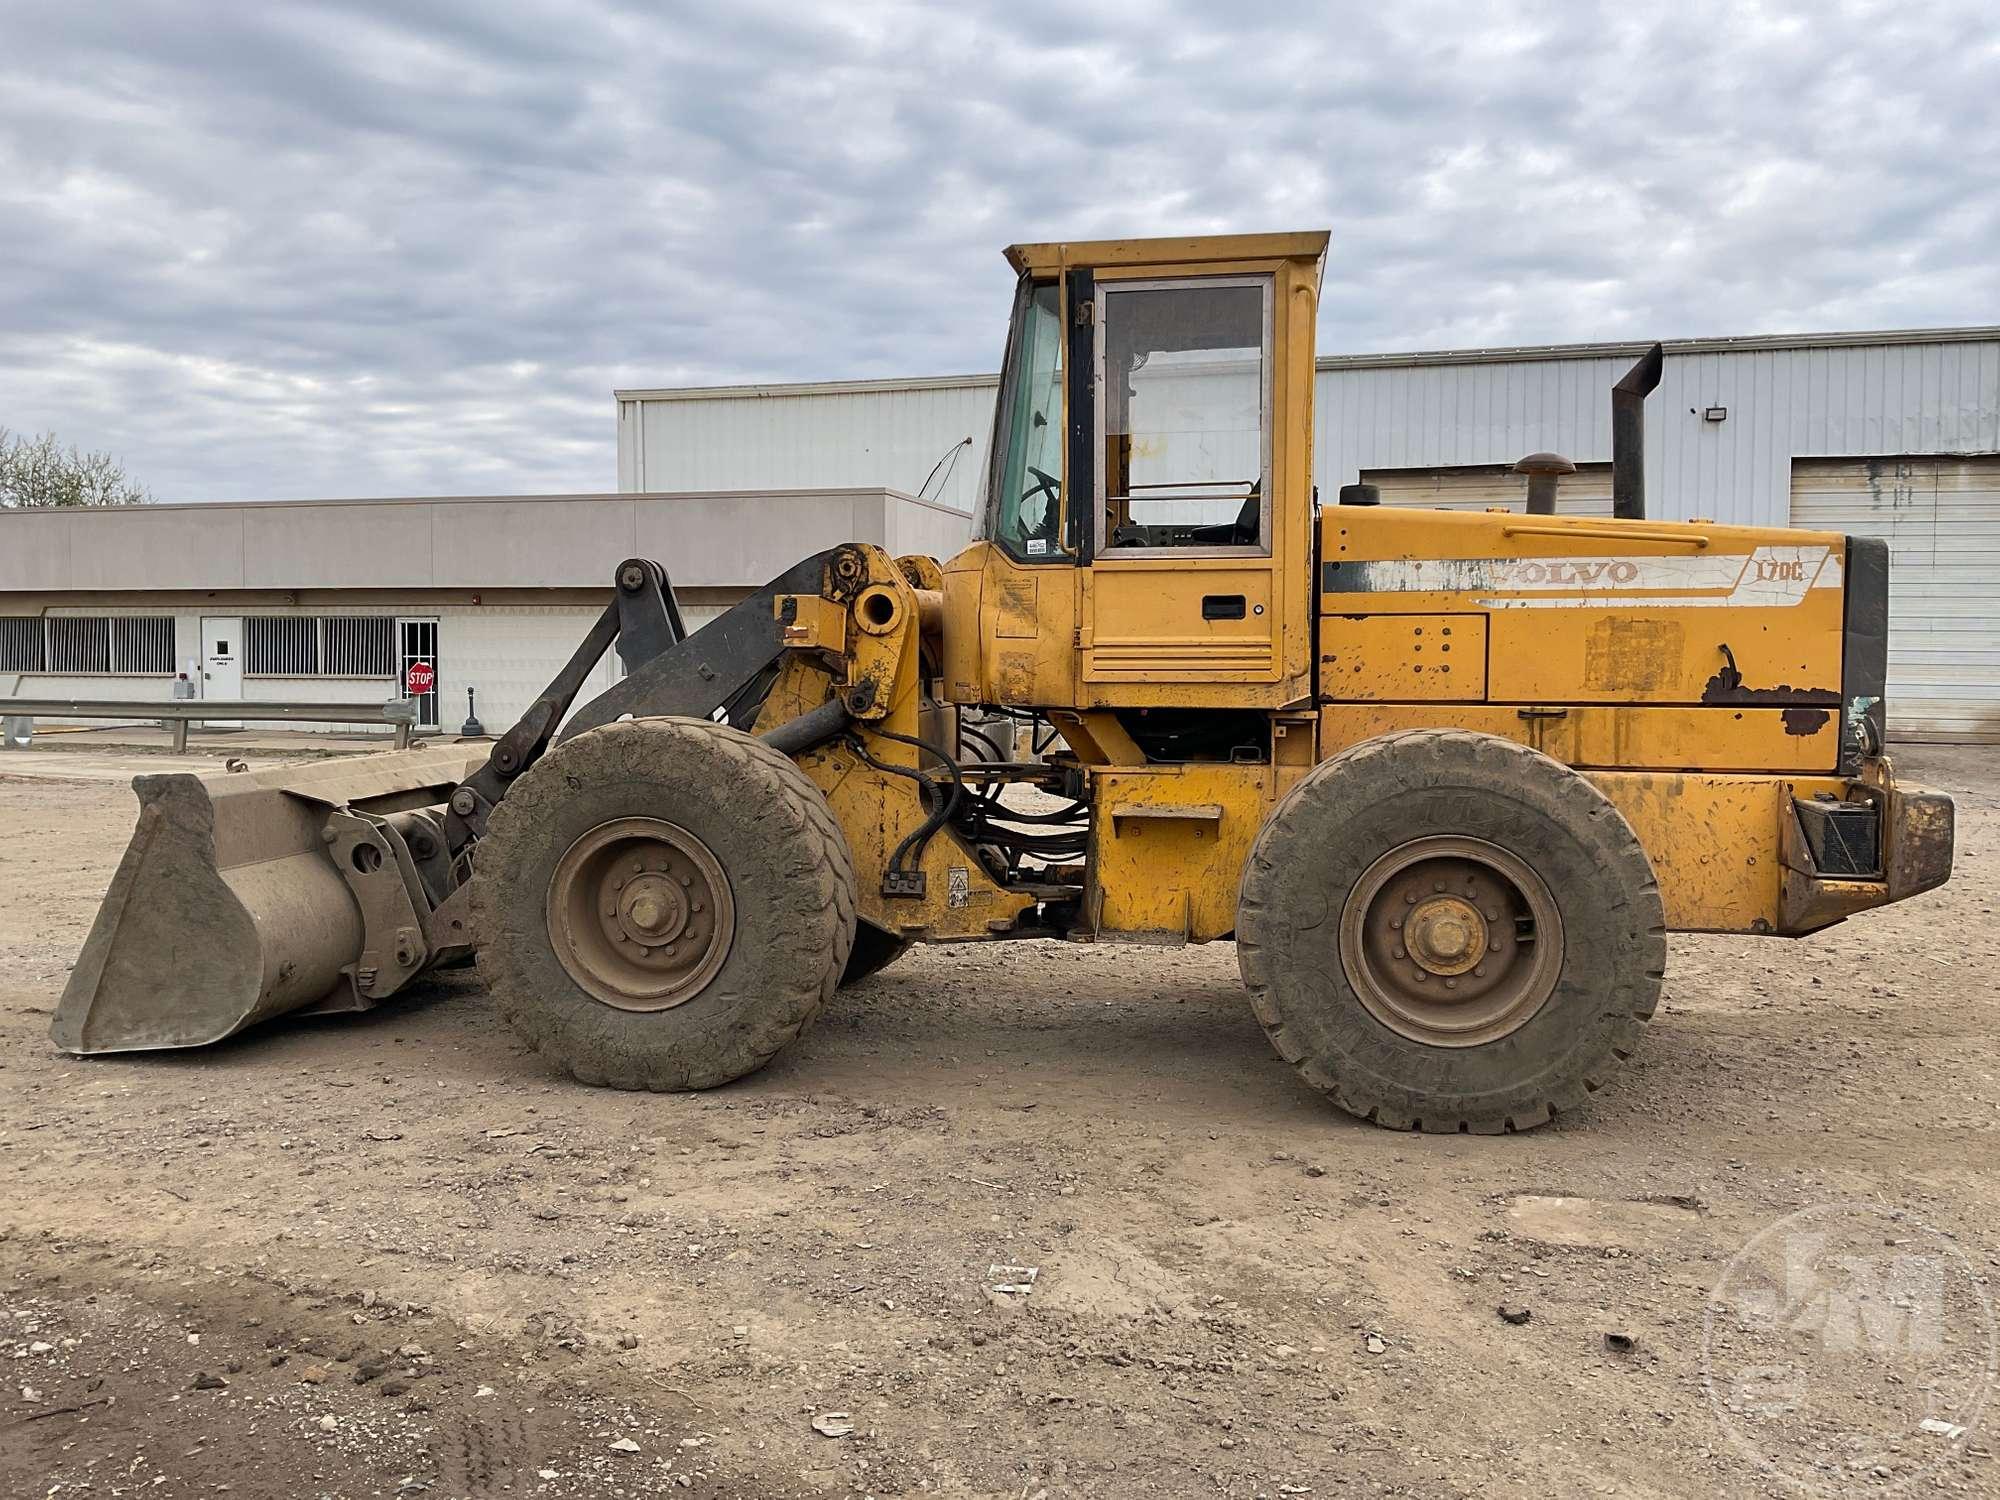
(394, 1255)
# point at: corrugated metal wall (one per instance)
(1454, 416)
(1781, 404)
(892, 432)
(1384, 413)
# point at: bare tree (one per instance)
(39, 471)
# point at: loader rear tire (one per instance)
(874, 950)
(1448, 931)
(686, 803)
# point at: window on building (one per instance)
(142, 645)
(358, 646)
(22, 643)
(319, 646)
(94, 645)
(281, 646)
(79, 645)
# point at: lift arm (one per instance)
(667, 672)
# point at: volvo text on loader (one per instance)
(1447, 779)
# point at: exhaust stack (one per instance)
(1628, 435)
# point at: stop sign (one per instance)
(420, 678)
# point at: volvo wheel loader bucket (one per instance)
(228, 907)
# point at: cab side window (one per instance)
(1184, 414)
(1023, 510)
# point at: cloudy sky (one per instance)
(411, 246)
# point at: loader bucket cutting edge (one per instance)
(226, 909)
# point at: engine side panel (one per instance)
(1669, 645)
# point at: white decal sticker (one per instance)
(1767, 577)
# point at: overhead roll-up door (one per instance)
(1941, 519)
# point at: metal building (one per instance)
(931, 433)
(1892, 434)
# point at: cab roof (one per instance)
(1054, 256)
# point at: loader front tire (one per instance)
(1449, 931)
(663, 904)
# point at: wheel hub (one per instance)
(1446, 934)
(652, 911)
(1451, 941)
(640, 914)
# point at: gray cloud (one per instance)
(361, 247)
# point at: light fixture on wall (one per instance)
(1716, 414)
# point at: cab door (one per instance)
(1199, 492)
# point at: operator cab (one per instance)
(1153, 431)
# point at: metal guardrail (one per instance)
(178, 713)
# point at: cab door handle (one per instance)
(1222, 606)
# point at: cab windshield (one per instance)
(1023, 509)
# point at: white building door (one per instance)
(222, 661)
(1941, 519)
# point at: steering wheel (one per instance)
(1050, 487)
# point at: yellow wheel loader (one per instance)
(1447, 779)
